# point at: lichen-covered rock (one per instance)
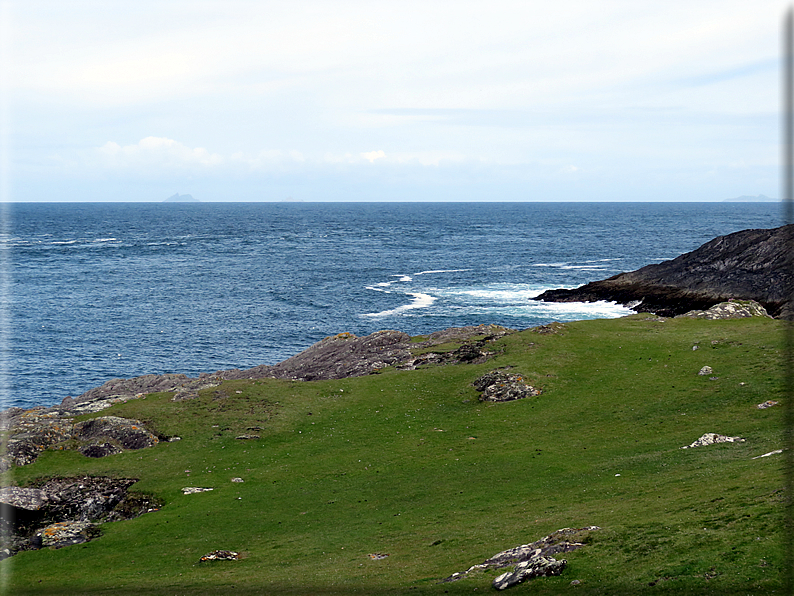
(500, 386)
(712, 439)
(732, 309)
(22, 498)
(65, 533)
(33, 431)
(129, 434)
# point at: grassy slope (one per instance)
(409, 463)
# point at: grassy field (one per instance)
(411, 464)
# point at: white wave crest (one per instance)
(441, 271)
(419, 301)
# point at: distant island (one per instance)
(178, 198)
(749, 199)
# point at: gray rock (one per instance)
(23, 498)
(733, 309)
(66, 533)
(536, 566)
(61, 511)
(500, 386)
(712, 439)
(537, 555)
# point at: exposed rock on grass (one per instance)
(713, 438)
(733, 309)
(531, 560)
(62, 511)
(499, 386)
(535, 566)
(32, 431)
(66, 533)
(129, 434)
(767, 404)
(191, 490)
(221, 555)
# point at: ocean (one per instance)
(94, 291)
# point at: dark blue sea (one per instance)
(98, 291)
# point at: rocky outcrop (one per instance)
(531, 560)
(498, 386)
(336, 357)
(749, 265)
(535, 566)
(713, 439)
(62, 511)
(30, 432)
(733, 309)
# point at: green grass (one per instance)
(411, 464)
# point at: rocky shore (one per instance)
(749, 265)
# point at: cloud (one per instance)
(159, 153)
(371, 156)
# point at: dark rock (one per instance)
(100, 449)
(61, 511)
(748, 265)
(128, 434)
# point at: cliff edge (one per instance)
(750, 264)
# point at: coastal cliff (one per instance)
(749, 265)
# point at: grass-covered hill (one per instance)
(411, 464)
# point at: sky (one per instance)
(339, 100)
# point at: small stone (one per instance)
(575, 582)
(706, 370)
(767, 404)
(190, 490)
(237, 480)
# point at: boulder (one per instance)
(66, 533)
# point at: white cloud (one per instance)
(156, 152)
(371, 156)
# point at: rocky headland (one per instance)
(746, 265)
